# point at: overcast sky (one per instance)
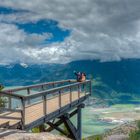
(60, 31)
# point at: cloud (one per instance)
(100, 29)
(11, 37)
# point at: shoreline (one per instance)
(100, 120)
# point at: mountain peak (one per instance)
(23, 65)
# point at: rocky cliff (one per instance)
(22, 135)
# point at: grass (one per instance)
(135, 135)
(95, 137)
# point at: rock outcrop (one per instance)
(23, 135)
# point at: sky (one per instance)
(61, 31)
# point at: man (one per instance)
(78, 76)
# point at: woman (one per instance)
(83, 77)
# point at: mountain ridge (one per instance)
(109, 78)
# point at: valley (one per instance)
(102, 120)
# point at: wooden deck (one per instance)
(50, 103)
(35, 111)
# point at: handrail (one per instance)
(38, 85)
(54, 89)
(6, 93)
(13, 110)
(11, 94)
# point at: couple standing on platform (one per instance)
(81, 76)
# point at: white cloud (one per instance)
(107, 30)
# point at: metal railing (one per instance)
(28, 88)
(74, 91)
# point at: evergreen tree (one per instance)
(135, 135)
(2, 102)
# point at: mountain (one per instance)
(19, 74)
(117, 80)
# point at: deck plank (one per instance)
(35, 112)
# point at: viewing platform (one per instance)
(30, 106)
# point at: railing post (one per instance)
(23, 112)
(90, 87)
(53, 85)
(84, 87)
(10, 102)
(44, 105)
(70, 95)
(79, 121)
(28, 92)
(42, 87)
(60, 99)
(78, 91)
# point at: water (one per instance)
(99, 120)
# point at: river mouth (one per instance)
(99, 120)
